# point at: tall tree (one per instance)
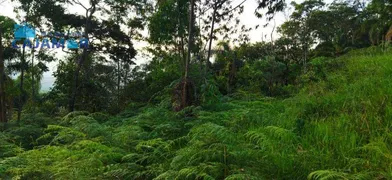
(222, 11)
(168, 28)
(3, 117)
(187, 84)
(298, 28)
(89, 11)
(26, 6)
(6, 27)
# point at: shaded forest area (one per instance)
(312, 103)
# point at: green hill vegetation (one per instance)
(336, 126)
(310, 99)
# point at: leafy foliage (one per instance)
(323, 132)
(308, 105)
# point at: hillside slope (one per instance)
(337, 127)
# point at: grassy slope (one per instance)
(336, 128)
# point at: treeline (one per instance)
(186, 69)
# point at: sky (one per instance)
(247, 18)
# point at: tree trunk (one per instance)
(190, 37)
(32, 77)
(211, 36)
(186, 85)
(22, 94)
(3, 111)
(81, 60)
(307, 36)
(76, 81)
(180, 34)
(183, 50)
(232, 75)
(118, 83)
(125, 79)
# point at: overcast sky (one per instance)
(247, 18)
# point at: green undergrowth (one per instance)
(338, 126)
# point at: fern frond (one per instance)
(256, 137)
(134, 157)
(380, 148)
(68, 118)
(179, 142)
(241, 177)
(328, 175)
(202, 171)
(117, 174)
(280, 133)
(211, 132)
(331, 174)
(271, 133)
(60, 135)
(168, 175)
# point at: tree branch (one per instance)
(79, 3)
(233, 8)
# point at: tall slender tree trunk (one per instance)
(118, 83)
(23, 62)
(306, 37)
(208, 65)
(81, 60)
(272, 38)
(190, 37)
(186, 84)
(3, 110)
(126, 76)
(22, 93)
(33, 93)
(180, 34)
(183, 49)
(76, 81)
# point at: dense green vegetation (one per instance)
(337, 127)
(311, 103)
